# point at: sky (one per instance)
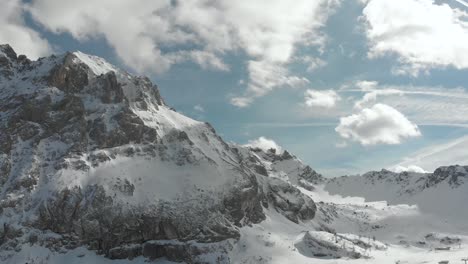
(347, 86)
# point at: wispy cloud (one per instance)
(422, 104)
(462, 2)
(443, 154)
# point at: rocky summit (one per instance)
(91, 156)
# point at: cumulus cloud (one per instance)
(264, 144)
(421, 33)
(158, 34)
(13, 31)
(380, 124)
(324, 99)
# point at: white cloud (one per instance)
(371, 96)
(324, 99)
(264, 144)
(366, 85)
(410, 168)
(264, 77)
(241, 101)
(154, 35)
(421, 33)
(13, 31)
(206, 60)
(442, 154)
(380, 124)
(199, 108)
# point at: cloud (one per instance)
(241, 101)
(423, 34)
(410, 168)
(367, 85)
(431, 157)
(323, 99)
(462, 2)
(423, 104)
(199, 108)
(380, 124)
(158, 34)
(263, 78)
(371, 96)
(13, 31)
(264, 144)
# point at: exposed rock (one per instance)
(69, 76)
(111, 90)
(290, 201)
(8, 51)
(126, 252)
(327, 245)
(456, 175)
(311, 176)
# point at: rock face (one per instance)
(327, 245)
(93, 154)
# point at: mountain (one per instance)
(95, 167)
(442, 193)
(94, 156)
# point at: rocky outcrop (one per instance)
(454, 175)
(290, 201)
(319, 244)
(69, 76)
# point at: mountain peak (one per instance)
(97, 64)
(7, 50)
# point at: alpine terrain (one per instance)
(95, 167)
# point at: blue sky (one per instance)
(347, 86)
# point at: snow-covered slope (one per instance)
(442, 193)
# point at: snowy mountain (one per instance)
(93, 153)
(442, 193)
(95, 167)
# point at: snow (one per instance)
(380, 232)
(96, 64)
